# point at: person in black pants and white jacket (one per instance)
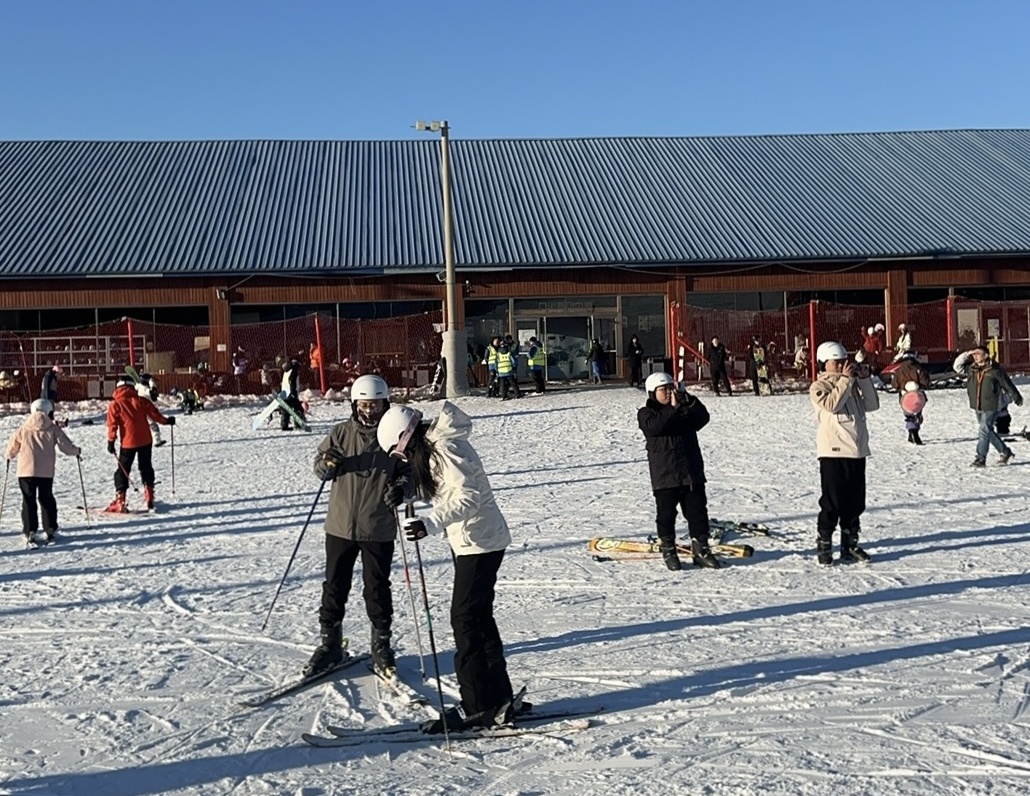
(670, 421)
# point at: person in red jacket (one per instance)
(129, 416)
(872, 344)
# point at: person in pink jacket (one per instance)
(35, 444)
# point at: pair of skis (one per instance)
(278, 402)
(607, 548)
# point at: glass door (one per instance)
(568, 344)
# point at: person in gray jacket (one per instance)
(367, 486)
(842, 394)
(986, 382)
(448, 473)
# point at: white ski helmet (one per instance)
(880, 327)
(42, 405)
(369, 388)
(870, 331)
(830, 350)
(396, 429)
(656, 380)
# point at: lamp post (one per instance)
(453, 348)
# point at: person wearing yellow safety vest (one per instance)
(537, 362)
(506, 372)
(490, 360)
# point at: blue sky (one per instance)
(234, 69)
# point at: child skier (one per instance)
(35, 444)
(128, 416)
(842, 394)
(146, 387)
(670, 421)
(911, 380)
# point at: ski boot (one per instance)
(824, 549)
(30, 539)
(328, 653)
(452, 719)
(49, 534)
(117, 505)
(701, 554)
(915, 438)
(669, 555)
(849, 549)
(383, 659)
(148, 495)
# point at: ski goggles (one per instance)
(400, 450)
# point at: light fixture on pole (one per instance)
(453, 348)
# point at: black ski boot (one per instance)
(911, 436)
(383, 659)
(915, 438)
(671, 558)
(329, 652)
(824, 549)
(849, 549)
(701, 554)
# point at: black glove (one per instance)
(110, 446)
(394, 495)
(414, 529)
(171, 421)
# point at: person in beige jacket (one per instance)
(842, 395)
(35, 444)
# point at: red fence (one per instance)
(404, 350)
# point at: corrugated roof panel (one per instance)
(203, 207)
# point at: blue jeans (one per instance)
(987, 435)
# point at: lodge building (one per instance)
(570, 239)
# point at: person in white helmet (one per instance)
(904, 344)
(448, 473)
(35, 444)
(48, 387)
(911, 377)
(842, 394)
(367, 486)
(670, 421)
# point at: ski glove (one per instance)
(414, 529)
(171, 421)
(110, 447)
(394, 495)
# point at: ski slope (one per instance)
(125, 647)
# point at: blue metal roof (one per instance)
(94, 208)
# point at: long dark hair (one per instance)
(420, 457)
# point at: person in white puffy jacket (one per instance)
(448, 473)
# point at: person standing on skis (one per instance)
(35, 444)
(448, 473)
(128, 417)
(842, 394)
(367, 486)
(670, 421)
(147, 389)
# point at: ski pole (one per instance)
(3, 495)
(411, 592)
(296, 547)
(171, 430)
(125, 472)
(85, 506)
(409, 511)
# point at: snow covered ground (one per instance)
(124, 646)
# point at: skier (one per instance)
(904, 343)
(842, 394)
(367, 485)
(536, 361)
(448, 473)
(907, 374)
(756, 365)
(146, 387)
(872, 344)
(717, 356)
(35, 444)
(986, 381)
(291, 376)
(597, 357)
(128, 416)
(670, 421)
(239, 368)
(635, 355)
(48, 388)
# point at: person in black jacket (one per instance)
(717, 355)
(670, 421)
(635, 355)
(290, 385)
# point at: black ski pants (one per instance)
(694, 502)
(843, 495)
(538, 379)
(125, 459)
(39, 490)
(719, 376)
(376, 561)
(636, 372)
(284, 417)
(479, 654)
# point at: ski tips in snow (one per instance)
(298, 684)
